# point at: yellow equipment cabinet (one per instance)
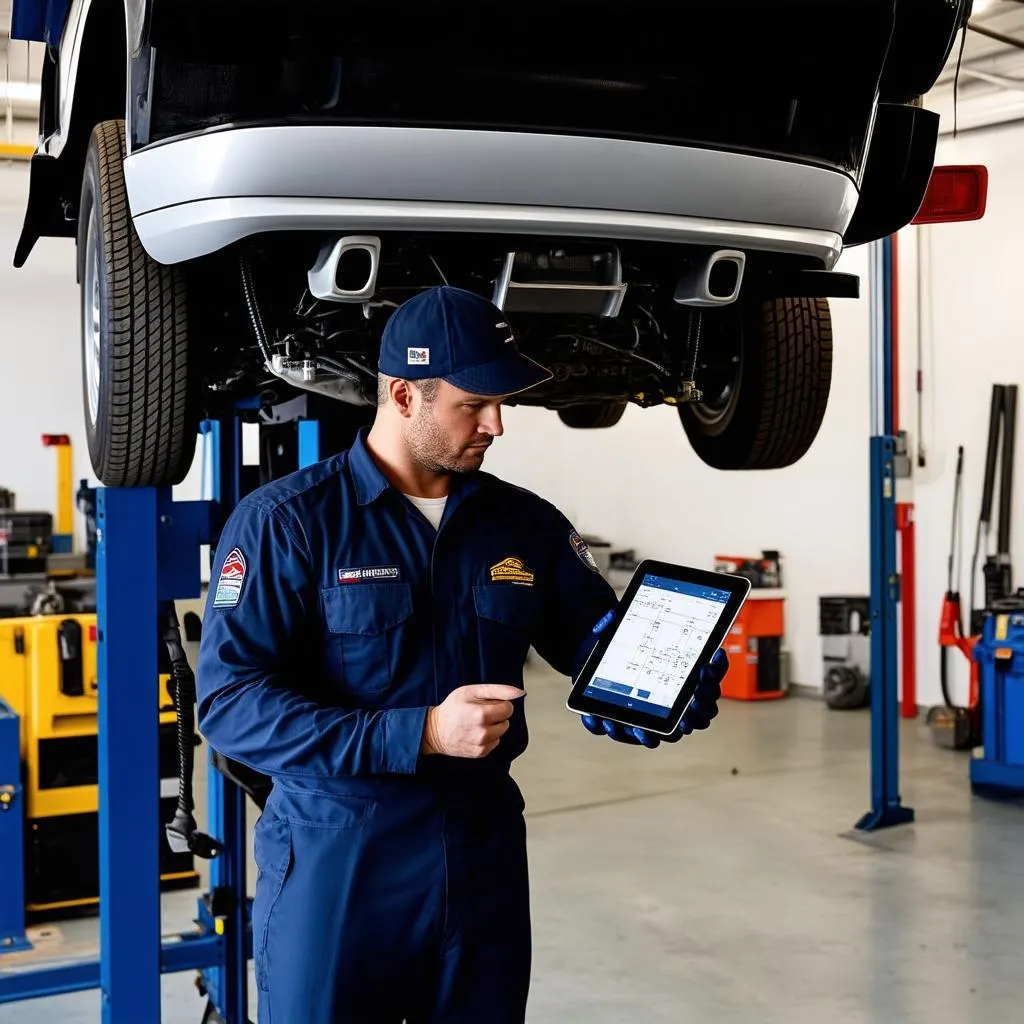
(48, 677)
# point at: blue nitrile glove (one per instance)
(703, 708)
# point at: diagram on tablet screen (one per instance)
(661, 636)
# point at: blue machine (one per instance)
(999, 771)
(147, 555)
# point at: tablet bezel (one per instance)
(739, 588)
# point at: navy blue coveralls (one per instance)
(392, 886)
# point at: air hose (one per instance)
(183, 835)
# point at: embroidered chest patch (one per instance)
(369, 572)
(511, 570)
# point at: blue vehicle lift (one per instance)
(886, 806)
(12, 835)
(145, 543)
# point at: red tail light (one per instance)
(955, 193)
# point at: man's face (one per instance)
(452, 433)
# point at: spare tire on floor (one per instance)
(138, 379)
(846, 688)
(765, 370)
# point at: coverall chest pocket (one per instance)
(507, 616)
(364, 632)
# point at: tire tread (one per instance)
(797, 341)
(150, 421)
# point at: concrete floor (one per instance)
(718, 881)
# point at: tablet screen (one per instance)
(661, 636)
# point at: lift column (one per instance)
(886, 807)
(147, 552)
(227, 903)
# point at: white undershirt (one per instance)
(432, 508)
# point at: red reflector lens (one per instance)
(955, 193)
(92, 634)
(50, 440)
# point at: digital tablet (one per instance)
(670, 621)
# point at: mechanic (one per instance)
(363, 644)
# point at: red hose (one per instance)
(908, 609)
(904, 521)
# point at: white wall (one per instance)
(973, 338)
(815, 513)
(40, 375)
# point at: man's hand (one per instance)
(470, 721)
(703, 708)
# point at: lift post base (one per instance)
(885, 817)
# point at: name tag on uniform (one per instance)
(369, 573)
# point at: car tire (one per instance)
(592, 415)
(138, 378)
(766, 377)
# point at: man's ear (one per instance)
(401, 394)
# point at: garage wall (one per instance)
(40, 366)
(973, 337)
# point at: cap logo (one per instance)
(419, 356)
(505, 326)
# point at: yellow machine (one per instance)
(48, 676)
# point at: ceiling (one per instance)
(990, 88)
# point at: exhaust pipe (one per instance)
(346, 269)
(714, 282)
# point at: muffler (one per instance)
(346, 269)
(714, 281)
(579, 280)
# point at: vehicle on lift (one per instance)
(658, 209)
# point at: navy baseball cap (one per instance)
(460, 337)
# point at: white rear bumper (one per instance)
(200, 193)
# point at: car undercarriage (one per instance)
(613, 323)
(656, 212)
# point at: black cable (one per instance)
(988, 486)
(182, 833)
(944, 678)
(956, 76)
(1006, 474)
(953, 574)
(254, 312)
(956, 516)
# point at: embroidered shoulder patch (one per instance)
(511, 570)
(582, 549)
(232, 576)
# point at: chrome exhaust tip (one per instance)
(346, 269)
(714, 282)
